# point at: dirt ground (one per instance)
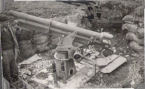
(124, 76)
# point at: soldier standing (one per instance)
(9, 54)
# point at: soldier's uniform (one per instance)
(10, 70)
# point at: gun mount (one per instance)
(64, 56)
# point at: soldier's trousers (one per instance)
(10, 68)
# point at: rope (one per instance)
(16, 49)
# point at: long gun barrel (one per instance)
(61, 26)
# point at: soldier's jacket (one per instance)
(6, 38)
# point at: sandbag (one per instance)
(132, 37)
(41, 48)
(27, 53)
(24, 34)
(40, 39)
(139, 11)
(25, 45)
(139, 19)
(135, 46)
(140, 33)
(130, 27)
(128, 18)
(25, 42)
(26, 49)
(41, 32)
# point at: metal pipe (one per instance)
(30, 24)
(58, 25)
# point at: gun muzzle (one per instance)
(78, 56)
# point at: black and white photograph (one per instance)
(72, 44)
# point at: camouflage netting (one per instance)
(134, 26)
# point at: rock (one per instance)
(28, 72)
(132, 83)
(106, 52)
(35, 71)
(135, 46)
(24, 76)
(39, 87)
(129, 27)
(127, 47)
(132, 58)
(121, 49)
(42, 75)
(134, 55)
(101, 75)
(114, 49)
(124, 51)
(126, 56)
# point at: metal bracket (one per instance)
(68, 40)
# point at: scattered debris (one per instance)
(42, 75)
(112, 66)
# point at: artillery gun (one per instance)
(68, 53)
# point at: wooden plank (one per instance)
(105, 61)
(115, 64)
(31, 60)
